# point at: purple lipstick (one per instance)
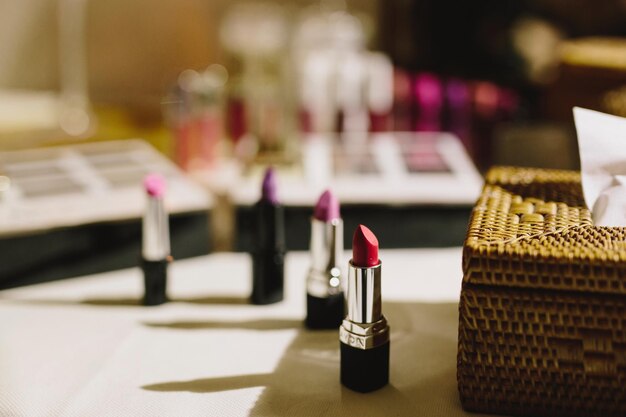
(269, 191)
(269, 248)
(325, 303)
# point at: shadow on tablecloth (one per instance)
(136, 302)
(306, 380)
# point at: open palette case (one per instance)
(72, 210)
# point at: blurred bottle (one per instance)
(403, 101)
(492, 105)
(260, 110)
(459, 106)
(429, 102)
(76, 116)
(380, 88)
(338, 80)
(194, 110)
(350, 88)
(317, 107)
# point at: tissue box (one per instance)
(542, 315)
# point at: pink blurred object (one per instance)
(154, 184)
(429, 99)
(459, 110)
(196, 140)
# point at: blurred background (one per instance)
(493, 72)
(399, 105)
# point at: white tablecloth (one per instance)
(84, 347)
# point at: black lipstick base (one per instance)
(268, 271)
(324, 313)
(364, 370)
(155, 280)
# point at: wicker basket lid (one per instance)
(530, 228)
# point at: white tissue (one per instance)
(602, 146)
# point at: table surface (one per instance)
(85, 347)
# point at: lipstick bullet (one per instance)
(364, 333)
(156, 242)
(269, 252)
(324, 298)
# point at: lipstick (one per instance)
(156, 242)
(268, 255)
(364, 333)
(324, 295)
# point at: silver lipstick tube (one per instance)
(325, 278)
(364, 327)
(156, 234)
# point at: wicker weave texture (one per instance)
(542, 326)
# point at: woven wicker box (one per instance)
(542, 316)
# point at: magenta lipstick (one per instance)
(269, 251)
(364, 333)
(324, 298)
(156, 242)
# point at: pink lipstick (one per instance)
(269, 252)
(156, 242)
(327, 207)
(325, 302)
(364, 333)
(364, 248)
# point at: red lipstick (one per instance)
(364, 247)
(364, 333)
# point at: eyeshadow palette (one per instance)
(70, 210)
(94, 182)
(402, 168)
